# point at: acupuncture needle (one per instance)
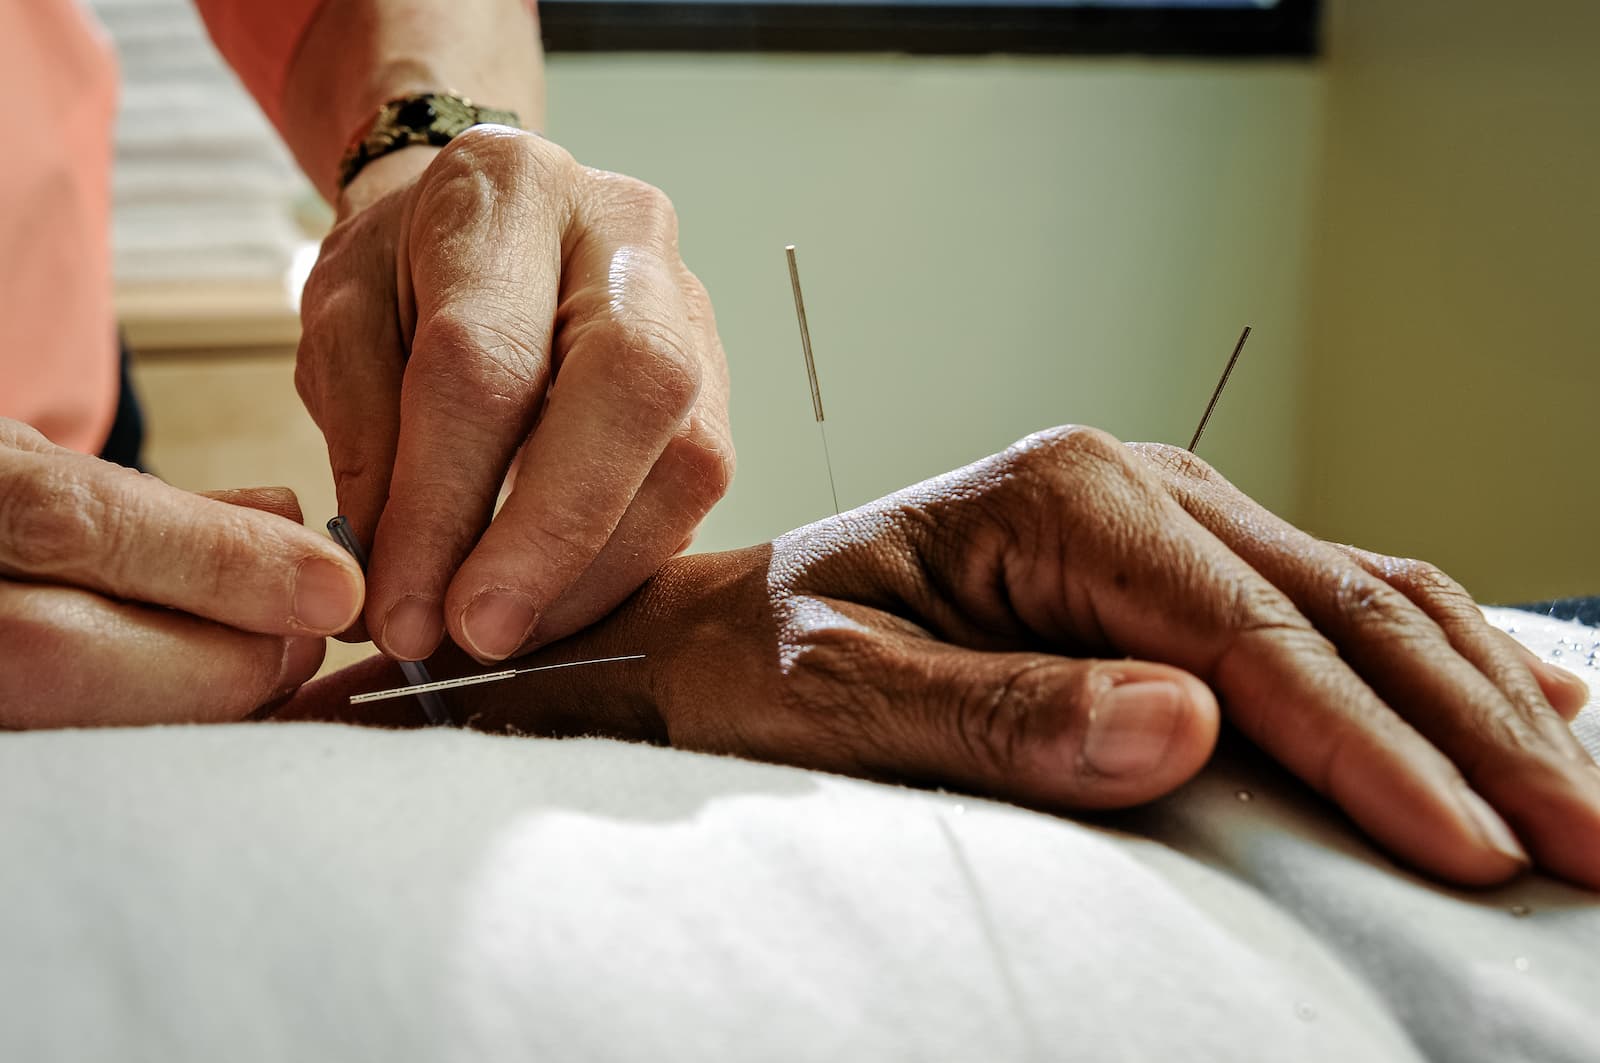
(1217, 394)
(421, 683)
(811, 368)
(430, 688)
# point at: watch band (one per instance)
(433, 118)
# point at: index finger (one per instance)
(629, 377)
(70, 519)
(483, 278)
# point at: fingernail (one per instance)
(1491, 827)
(326, 595)
(301, 659)
(412, 629)
(1566, 678)
(496, 623)
(1131, 728)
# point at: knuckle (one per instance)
(658, 363)
(351, 469)
(469, 359)
(1069, 447)
(1072, 439)
(228, 554)
(1174, 460)
(336, 341)
(352, 267)
(306, 375)
(994, 724)
(833, 677)
(477, 142)
(21, 436)
(466, 340)
(647, 206)
(652, 200)
(1425, 580)
(1255, 612)
(472, 151)
(50, 521)
(1252, 606)
(673, 372)
(312, 374)
(484, 156)
(1363, 601)
(322, 283)
(560, 539)
(1344, 753)
(326, 303)
(699, 468)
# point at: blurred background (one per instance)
(1009, 218)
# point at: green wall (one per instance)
(989, 246)
(1455, 372)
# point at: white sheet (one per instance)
(278, 892)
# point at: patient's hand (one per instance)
(1049, 625)
(124, 600)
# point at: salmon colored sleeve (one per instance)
(258, 39)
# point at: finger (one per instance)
(74, 520)
(1038, 729)
(1446, 673)
(630, 375)
(484, 292)
(1511, 666)
(1534, 686)
(1566, 692)
(19, 435)
(1434, 658)
(279, 501)
(82, 660)
(1395, 784)
(1087, 548)
(350, 363)
(689, 478)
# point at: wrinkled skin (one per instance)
(1066, 625)
(124, 600)
(507, 308)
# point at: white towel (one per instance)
(305, 892)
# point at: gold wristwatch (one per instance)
(433, 118)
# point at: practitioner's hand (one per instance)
(126, 601)
(508, 304)
(1049, 625)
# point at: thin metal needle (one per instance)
(1217, 394)
(416, 672)
(828, 460)
(811, 369)
(473, 680)
(805, 332)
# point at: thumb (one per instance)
(279, 501)
(1035, 728)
